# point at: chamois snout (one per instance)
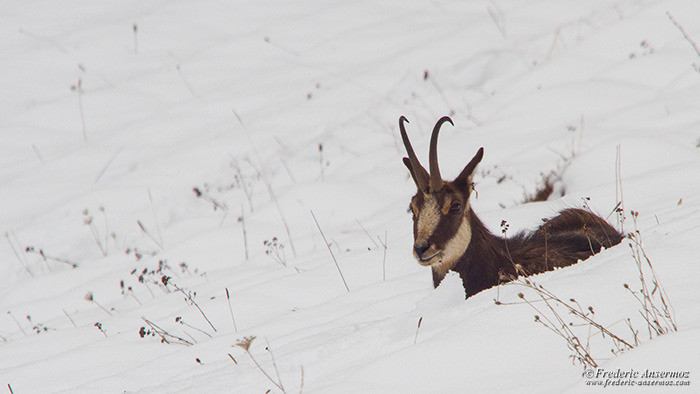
(425, 253)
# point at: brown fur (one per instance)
(571, 236)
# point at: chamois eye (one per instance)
(455, 207)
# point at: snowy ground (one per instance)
(304, 97)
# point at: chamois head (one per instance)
(441, 228)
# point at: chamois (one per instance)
(449, 236)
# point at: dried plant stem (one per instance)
(136, 42)
(273, 197)
(149, 290)
(191, 337)
(99, 327)
(288, 170)
(384, 256)
(263, 177)
(69, 318)
(415, 340)
(274, 364)
(184, 81)
(685, 35)
(78, 88)
(301, 385)
(193, 327)
(442, 94)
(134, 297)
(101, 307)
(263, 371)
(241, 219)
(106, 166)
(660, 320)
(189, 297)
(155, 217)
(497, 16)
(618, 190)
(546, 296)
(239, 177)
(98, 240)
(36, 150)
(46, 257)
(164, 334)
(228, 298)
(18, 325)
(367, 233)
(22, 262)
(330, 251)
(148, 234)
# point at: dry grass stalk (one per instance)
(22, 261)
(164, 335)
(685, 34)
(228, 299)
(657, 310)
(18, 325)
(90, 298)
(245, 345)
(69, 318)
(330, 251)
(188, 297)
(263, 177)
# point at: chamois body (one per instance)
(571, 236)
(449, 236)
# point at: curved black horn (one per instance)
(435, 178)
(420, 175)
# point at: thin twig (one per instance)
(78, 88)
(330, 251)
(18, 325)
(181, 321)
(148, 234)
(23, 263)
(231, 310)
(184, 81)
(301, 386)
(69, 318)
(274, 364)
(239, 177)
(106, 166)
(36, 150)
(384, 257)
(189, 297)
(685, 35)
(263, 176)
(136, 43)
(163, 334)
(155, 217)
(241, 219)
(245, 345)
(415, 340)
(366, 233)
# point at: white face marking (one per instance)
(428, 219)
(456, 246)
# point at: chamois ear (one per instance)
(464, 179)
(407, 163)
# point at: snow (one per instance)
(226, 97)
